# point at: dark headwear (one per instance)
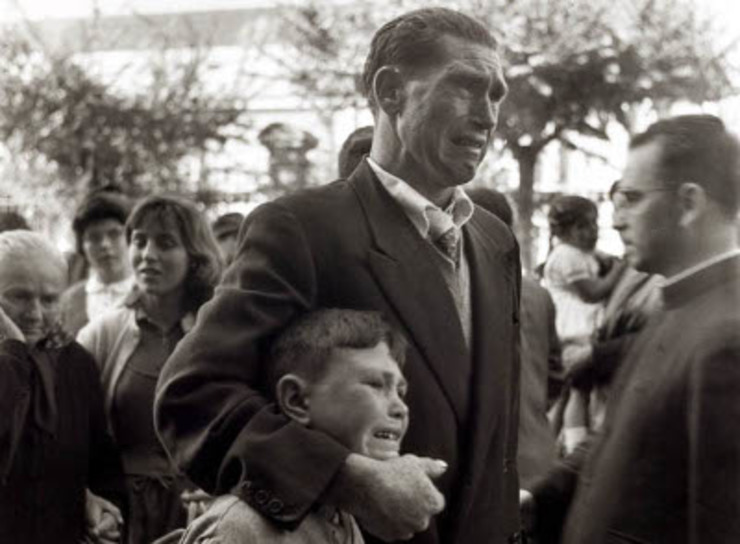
(11, 220)
(227, 225)
(494, 202)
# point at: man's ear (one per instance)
(692, 199)
(388, 86)
(292, 397)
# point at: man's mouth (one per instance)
(469, 142)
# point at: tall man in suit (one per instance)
(399, 236)
(666, 467)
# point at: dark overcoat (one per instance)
(350, 245)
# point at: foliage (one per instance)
(573, 66)
(50, 104)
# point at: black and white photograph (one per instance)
(369, 271)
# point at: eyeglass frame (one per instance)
(627, 203)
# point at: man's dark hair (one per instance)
(411, 41)
(305, 347)
(698, 149)
(98, 206)
(354, 148)
(494, 202)
(227, 224)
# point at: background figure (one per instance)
(53, 437)
(398, 236)
(666, 466)
(99, 233)
(572, 276)
(541, 367)
(176, 264)
(226, 231)
(635, 297)
(10, 220)
(354, 149)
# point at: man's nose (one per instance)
(618, 222)
(486, 114)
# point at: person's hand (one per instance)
(526, 510)
(196, 502)
(578, 361)
(8, 329)
(392, 499)
(104, 519)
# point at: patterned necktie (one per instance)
(448, 242)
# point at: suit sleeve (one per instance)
(212, 410)
(714, 442)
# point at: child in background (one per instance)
(339, 372)
(578, 289)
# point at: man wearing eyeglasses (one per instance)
(666, 466)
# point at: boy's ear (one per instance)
(388, 86)
(292, 397)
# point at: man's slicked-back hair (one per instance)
(698, 149)
(411, 40)
(306, 346)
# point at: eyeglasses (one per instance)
(626, 198)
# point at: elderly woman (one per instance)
(53, 437)
(176, 266)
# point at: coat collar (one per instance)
(404, 267)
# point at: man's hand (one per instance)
(196, 502)
(391, 499)
(104, 519)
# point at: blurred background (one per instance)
(235, 102)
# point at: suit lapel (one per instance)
(403, 265)
(495, 308)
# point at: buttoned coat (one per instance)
(350, 245)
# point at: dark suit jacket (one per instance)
(540, 356)
(350, 245)
(666, 468)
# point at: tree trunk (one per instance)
(527, 159)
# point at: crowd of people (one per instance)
(364, 361)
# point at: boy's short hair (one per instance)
(306, 346)
(102, 204)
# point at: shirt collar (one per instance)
(693, 270)
(94, 285)
(418, 208)
(133, 301)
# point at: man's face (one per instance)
(448, 115)
(359, 401)
(104, 245)
(645, 212)
(29, 294)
